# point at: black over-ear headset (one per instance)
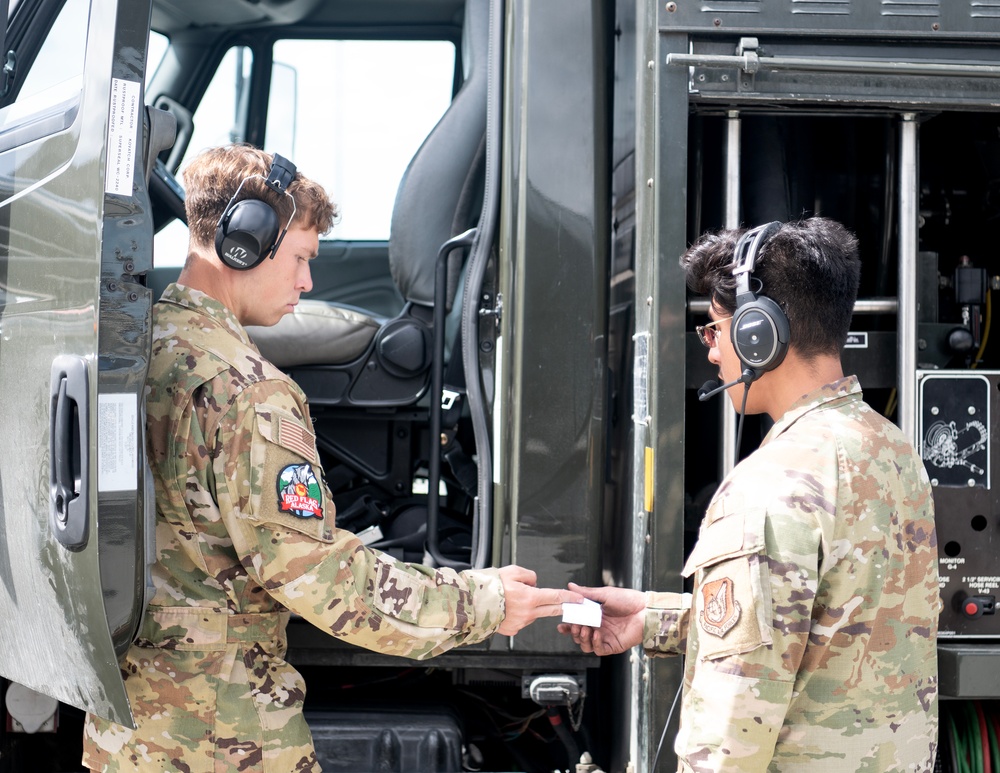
(250, 230)
(759, 330)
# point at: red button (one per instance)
(971, 608)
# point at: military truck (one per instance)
(499, 348)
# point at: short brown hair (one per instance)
(214, 175)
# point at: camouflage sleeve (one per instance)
(282, 521)
(751, 615)
(665, 628)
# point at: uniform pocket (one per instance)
(732, 600)
(400, 595)
(278, 689)
(287, 488)
(173, 695)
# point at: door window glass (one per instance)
(219, 120)
(351, 114)
(60, 59)
(158, 45)
(221, 116)
(48, 96)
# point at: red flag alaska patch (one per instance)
(720, 611)
(299, 492)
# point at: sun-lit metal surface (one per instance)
(56, 594)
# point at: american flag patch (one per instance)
(295, 437)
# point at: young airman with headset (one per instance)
(810, 631)
(244, 522)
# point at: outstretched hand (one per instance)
(526, 603)
(622, 616)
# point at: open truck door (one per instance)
(75, 241)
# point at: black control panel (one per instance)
(957, 412)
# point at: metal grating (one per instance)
(930, 19)
(922, 8)
(822, 7)
(731, 6)
(984, 9)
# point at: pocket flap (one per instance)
(287, 486)
(731, 535)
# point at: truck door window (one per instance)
(351, 114)
(158, 45)
(60, 59)
(48, 96)
(221, 116)
(220, 119)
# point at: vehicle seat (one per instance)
(317, 333)
(439, 196)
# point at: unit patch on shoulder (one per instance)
(299, 493)
(721, 610)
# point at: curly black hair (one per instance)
(810, 268)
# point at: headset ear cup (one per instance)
(759, 333)
(246, 234)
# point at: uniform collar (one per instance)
(200, 303)
(831, 395)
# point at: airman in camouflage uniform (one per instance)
(245, 526)
(811, 630)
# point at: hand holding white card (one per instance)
(587, 613)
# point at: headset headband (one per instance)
(281, 175)
(745, 257)
(759, 330)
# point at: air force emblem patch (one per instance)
(299, 493)
(721, 610)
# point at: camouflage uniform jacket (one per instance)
(244, 533)
(811, 643)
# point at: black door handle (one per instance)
(69, 449)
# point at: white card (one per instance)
(587, 612)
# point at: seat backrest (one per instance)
(438, 196)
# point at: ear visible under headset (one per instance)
(250, 230)
(759, 329)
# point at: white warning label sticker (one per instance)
(117, 443)
(123, 119)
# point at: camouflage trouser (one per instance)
(210, 692)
